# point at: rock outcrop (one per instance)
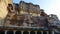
(53, 20)
(26, 14)
(3, 7)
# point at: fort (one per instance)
(26, 18)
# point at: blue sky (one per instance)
(50, 6)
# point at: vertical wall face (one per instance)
(3, 7)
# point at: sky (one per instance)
(50, 6)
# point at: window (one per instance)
(10, 6)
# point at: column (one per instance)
(52, 32)
(29, 32)
(35, 32)
(47, 32)
(14, 31)
(41, 32)
(6, 31)
(22, 32)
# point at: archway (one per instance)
(18, 32)
(10, 32)
(44, 32)
(32, 32)
(38, 32)
(25, 32)
(2, 32)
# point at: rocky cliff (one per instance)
(3, 7)
(26, 14)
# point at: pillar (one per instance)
(29, 32)
(52, 32)
(41, 32)
(6, 31)
(22, 32)
(35, 32)
(14, 31)
(47, 32)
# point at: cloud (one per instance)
(56, 8)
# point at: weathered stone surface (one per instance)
(26, 14)
(29, 8)
(15, 17)
(3, 7)
(1, 21)
(53, 20)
